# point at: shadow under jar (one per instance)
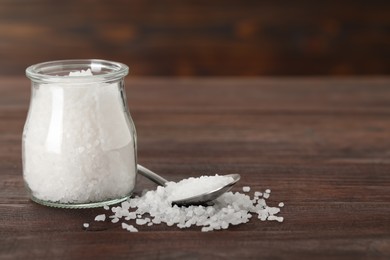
(79, 141)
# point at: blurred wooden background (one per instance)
(201, 38)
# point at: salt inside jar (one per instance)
(79, 141)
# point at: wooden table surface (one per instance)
(322, 145)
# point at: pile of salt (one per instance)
(155, 207)
(192, 187)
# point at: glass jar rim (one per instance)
(58, 71)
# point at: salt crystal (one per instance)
(116, 209)
(279, 219)
(281, 204)
(125, 205)
(246, 189)
(101, 217)
(273, 210)
(130, 228)
(266, 195)
(132, 215)
(224, 225)
(258, 194)
(133, 229)
(86, 225)
(80, 73)
(268, 191)
(206, 229)
(106, 207)
(139, 221)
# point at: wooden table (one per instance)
(321, 144)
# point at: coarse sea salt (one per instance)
(78, 146)
(130, 228)
(191, 187)
(101, 217)
(155, 207)
(246, 189)
(258, 194)
(81, 73)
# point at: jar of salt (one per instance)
(79, 141)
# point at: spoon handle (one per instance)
(151, 175)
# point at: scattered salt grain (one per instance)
(281, 205)
(279, 219)
(140, 221)
(155, 207)
(258, 194)
(101, 217)
(86, 225)
(268, 191)
(128, 227)
(115, 220)
(106, 207)
(246, 189)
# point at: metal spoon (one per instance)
(200, 199)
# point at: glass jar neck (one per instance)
(81, 71)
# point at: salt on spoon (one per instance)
(195, 196)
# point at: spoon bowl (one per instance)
(209, 196)
(199, 199)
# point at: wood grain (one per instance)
(321, 144)
(201, 38)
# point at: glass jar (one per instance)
(79, 141)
